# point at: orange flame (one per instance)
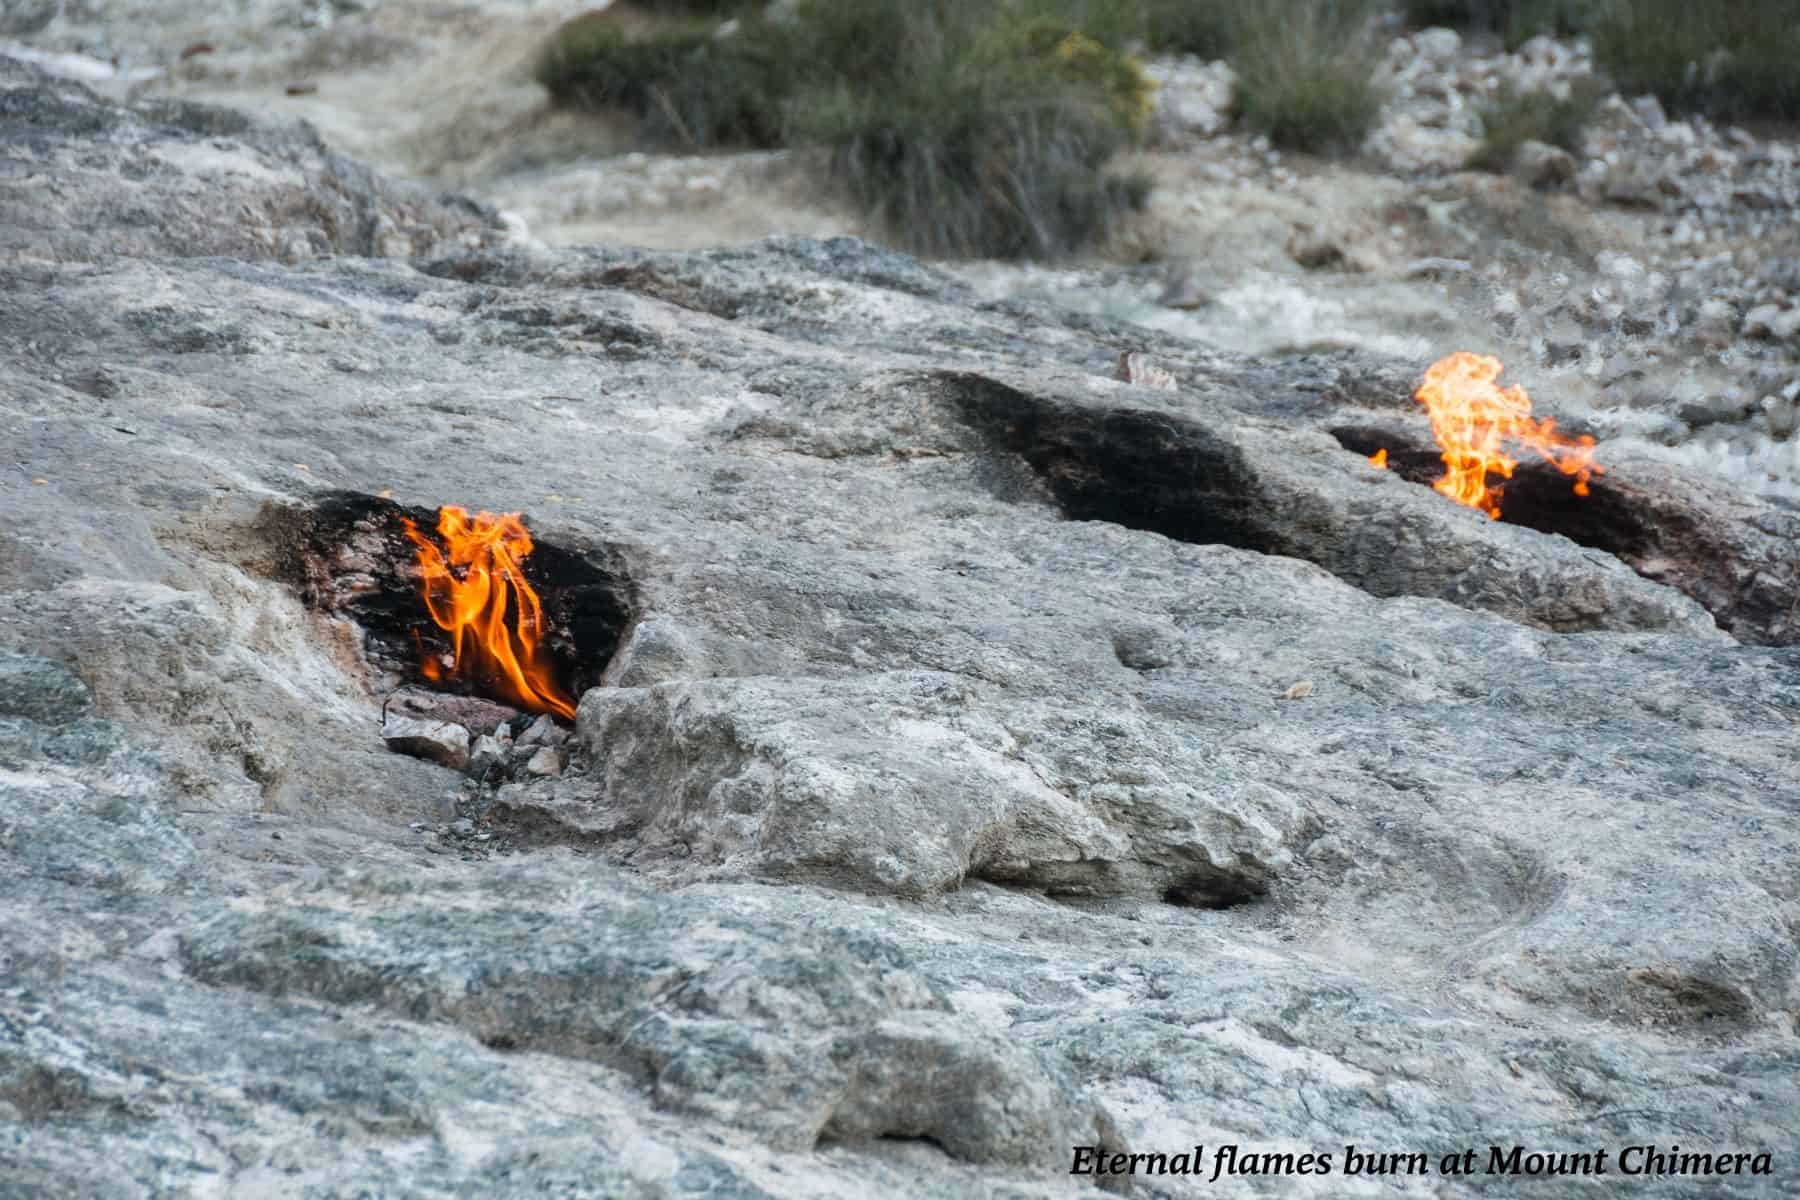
(1471, 415)
(469, 594)
(1378, 460)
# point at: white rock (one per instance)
(547, 763)
(1193, 98)
(1770, 321)
(1406, 145)
(1438, 46)
(1621, 267)
(1714, 323)
(485, 753)
(442, 742)
(1778, 415)
(543, 732)
(1649, 112)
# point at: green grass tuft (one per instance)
(1732, 59)
(1514, 118)
(963, 126)
(1305, 72)
(697, 8)
(1518, 20)
(985, 138)
(688, 85)
(1200, 27)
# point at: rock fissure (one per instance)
(347, 555)
(1745, 572)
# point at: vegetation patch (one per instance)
(697, 8)
(1188, 27)
(1516, 20)
(687, 84)
(1514, 118)
(965, 127)
(1733, 59)
(1305, 72)
(990, 140)
(971, 127)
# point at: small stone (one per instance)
(1134, 367)
(547, 763)
(94, 381)
(1183, 291)
(1542, 165)
(1193, 99)
(1778, 416)
(1678, 133)
(1649, 111)
(1713, 323)
(1437, 268)
(462, 827)
(543, 732)
(1561, 353)
(1406, 145)
(1438, 45)
(1299, 691)
(441, 742)
(296, 248)
(1632, 185)
(1768, 321)
(486, 752)
(1142, 649)
(473, 712)
(1313, 250)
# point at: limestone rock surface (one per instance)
(950, 799)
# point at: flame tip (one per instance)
(470, 586)
(1471, 414)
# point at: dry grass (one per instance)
(964, 128)
(1515, 118)
(1305, 72)
(1733, 59)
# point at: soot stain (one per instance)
(348, 555)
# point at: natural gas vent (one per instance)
(1746, 573)
(1537, 496)
(1133, 467)
(1215, 888)
(1192, 470)
(1415, 461)
(369, 559)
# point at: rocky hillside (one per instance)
(989, 757)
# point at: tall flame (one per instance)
(1471, 415)
(470, 592)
